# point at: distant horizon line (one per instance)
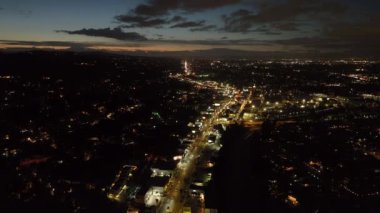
(198, 55)
(196, 51)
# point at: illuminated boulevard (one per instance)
(177, 188)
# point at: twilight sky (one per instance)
(341, 27)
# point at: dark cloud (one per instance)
(133, 20)
(140, 21)
(354, 45)
(275, 28)
(163, 7)
(178, 19)
(239, 21)
(266, 30)
(159, 36)
(285, 26)
(204, 28)
(156, 13)
(269, 32)
(360, 30)
(341, 27)
(215, 42)
(282, 15)
(358, 37)
(188, 24)
(149, 10)
(116, 33)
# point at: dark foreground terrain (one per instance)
(91, 132)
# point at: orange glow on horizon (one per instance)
(142, 47)
(22, 46)
(112, 48)
(157, 48)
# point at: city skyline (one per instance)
(240, 27)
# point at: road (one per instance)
(242, 107)
(180, 181)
